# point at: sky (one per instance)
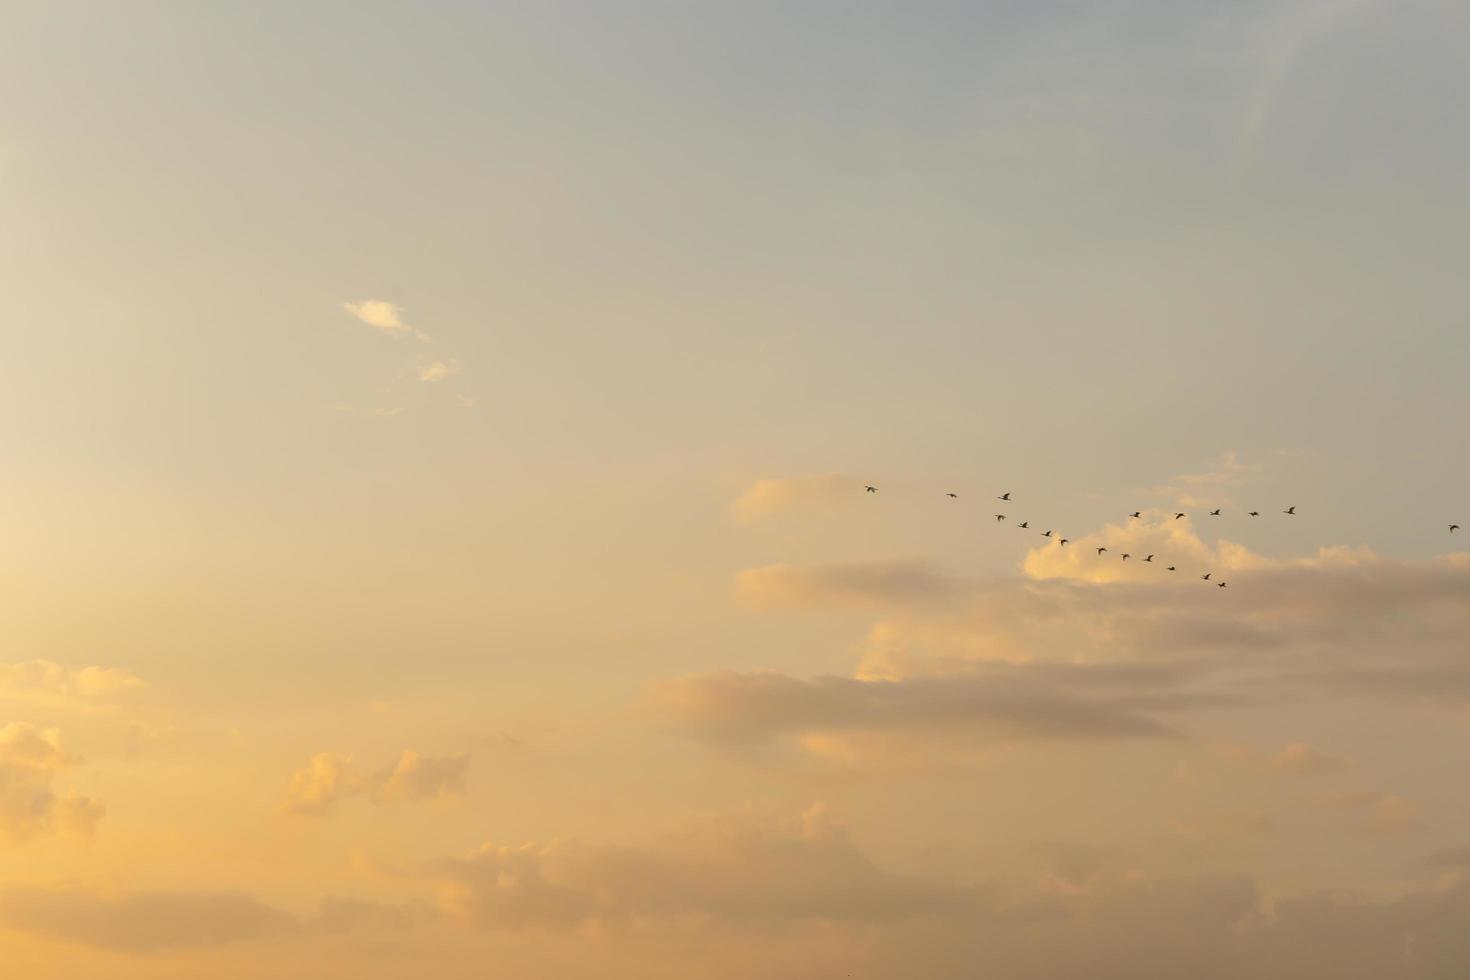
(433, 535)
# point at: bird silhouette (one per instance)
(1000, 517)
(1101, 550)
(1177, 516)
(1454, 528)
(1046, 534)
(1064, 541)
(1126, 556)
(1290, 510)
(1215, 513)
(1173, 569)
(1004, 496)
(1024, 524)
(1255, 513)
(871, 489)
(1220, 584)
(1136, 514)
(951, 495)
(1206, 576)
(1149, 558)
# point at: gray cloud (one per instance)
(753, 872)
(140, 921)
(998, 701)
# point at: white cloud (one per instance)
(438, 370)
(385, 316)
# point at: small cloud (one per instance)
(1300, 759)
(1294, 759)
(326, 779)
(413, 777)
(776, 495)
(874, 583)
(438, 370)
(43, 679)
(416, 777)
(385, 316)
(1383, 814)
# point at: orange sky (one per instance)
(433, 536)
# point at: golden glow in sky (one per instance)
(434, 527)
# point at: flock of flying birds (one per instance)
(1147, 559)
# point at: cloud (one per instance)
(1294, 759)
(1095, 648)
(1214, 486)
(30, 760)
(1286, 35)
(331, 777)
(761, 882)
(1382, 814)
(991, 705)
(418, 777)
(154, 921)
(328, 777)
(749, 871)
(777, 495)
(141, 921)
(1300, 759)
(385, 316)
(1128, 924)
(48, 682)
(436, 371)
(851, 584)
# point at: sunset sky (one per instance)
(433, 538)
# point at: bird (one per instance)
(1126, 556)
(1046, 534)
(1454, 528)
(1255, 513)
(951, 495)
(1000, 517)
(1064, 541)
(1136, 514)
(871, 489)
(1149, 558)
(1004, 496)
(1290, 510)
(1177, 516)
(1173, 569)
(1024, 524)
(1220, 584)
(1101, 550)
(1215, 513)
(1206, 576)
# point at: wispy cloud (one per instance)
(438, 370)
(776, 495)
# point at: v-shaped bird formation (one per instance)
(1135, 515)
